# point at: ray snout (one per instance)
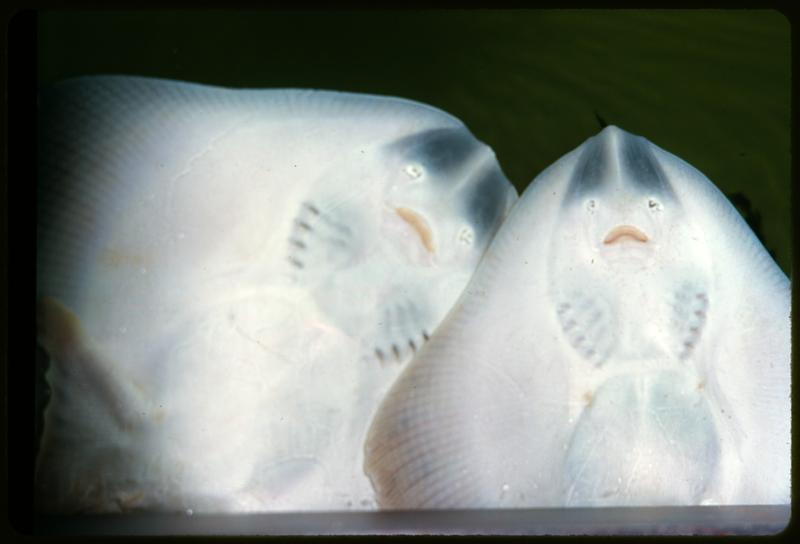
(617, 162)
(625, 233)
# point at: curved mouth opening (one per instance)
(420, 226)
(625, 233)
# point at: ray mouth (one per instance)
(625, 233)
(420, 226)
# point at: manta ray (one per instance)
(229, 280)
(625, 341)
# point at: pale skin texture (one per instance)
(231, 279)
(639, 353)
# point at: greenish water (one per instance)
(712, 87)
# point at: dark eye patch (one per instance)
(593, 167)
(439, 151)
(486, 203)
(624, 159)
(641, 168)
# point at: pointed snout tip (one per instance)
(611, 131)
(613, 137)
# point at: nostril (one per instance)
(466, 236)
(414, 171)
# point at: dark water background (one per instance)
(711, 86)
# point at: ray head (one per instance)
(439, 196)
(620, 209)
(450, 170)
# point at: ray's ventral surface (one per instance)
(277, 300)
(231, 279)
(648, 362)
